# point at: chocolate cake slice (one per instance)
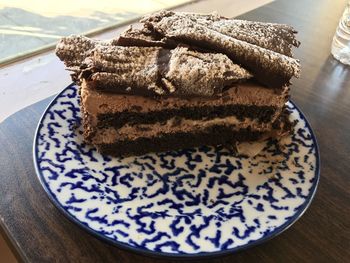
(183, 80)
(122, 124)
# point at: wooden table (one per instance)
(38, 232)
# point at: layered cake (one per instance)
(183, 80)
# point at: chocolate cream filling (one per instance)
(175, 125)
(243, 100)
(249, 93)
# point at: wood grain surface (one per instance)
(38, 232)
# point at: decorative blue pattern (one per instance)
(189, 202)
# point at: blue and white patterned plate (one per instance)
(187, 203)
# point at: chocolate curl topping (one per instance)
(154, 70)
(184, 54)
(150, 70)
(249, 44)
(74, 49)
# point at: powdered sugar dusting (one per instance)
(184, 54)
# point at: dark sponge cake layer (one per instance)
(263, 114)
(212, 136)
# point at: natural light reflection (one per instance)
(21, 28)
(333, 87)
(338, 74)
(24, 33)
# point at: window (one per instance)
(28, 27)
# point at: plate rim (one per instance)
(277, 231)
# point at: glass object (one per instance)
(341, 40)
